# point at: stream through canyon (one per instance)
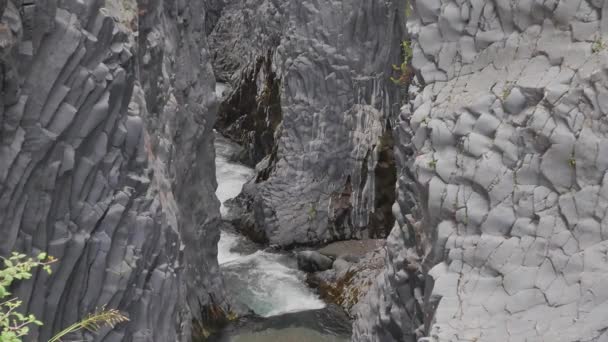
(267, 283)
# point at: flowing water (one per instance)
(230, 175)
(267, 283)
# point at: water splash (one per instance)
(268, 283)
(230, 175)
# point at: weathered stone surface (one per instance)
(501, 147)
(314, 78)
(106, 162)
(312, 261)
(349, 279)
(351, 249)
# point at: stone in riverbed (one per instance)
(311, 261)
(351, 248)
(347, 282)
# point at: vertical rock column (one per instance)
(327, 65)
(179, 88)
(90, 162)
(508, 134)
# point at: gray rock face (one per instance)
(351, 276)
(503, 146)
(331, 144)
(92, 118)
(312, 261)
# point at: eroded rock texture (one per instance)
(504, 144)
(106, 162)
(316, 76)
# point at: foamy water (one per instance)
(230, 175)
(268, 283)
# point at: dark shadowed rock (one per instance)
(311, 261)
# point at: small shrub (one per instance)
(506, 91)
(232, 316)
(408, 8)
(598, 45)
(13, 324)
(404, 71)
(312, 212)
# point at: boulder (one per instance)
(312, 261)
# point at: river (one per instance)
(267, 283)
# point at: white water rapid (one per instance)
(268, 283)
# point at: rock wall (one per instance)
(330, 63)
(106, 162)
(503, 147)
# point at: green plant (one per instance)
(506, 91)
(408, 9)
(572, 162)
(433, 164)
(312, 212)
(93, 323)
(15, 325)
(404, 70)
(598, 45)
(232, 316)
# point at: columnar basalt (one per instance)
(97, 99)
(503, 146)
(332, 63)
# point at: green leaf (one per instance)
(41, 256)
(3, 292)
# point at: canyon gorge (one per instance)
(308, 170)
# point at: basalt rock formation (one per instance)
(494, 138)
(502, 191)
(356, 266)
(107, 163)
(312, 102)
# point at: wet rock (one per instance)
(242, 216)
(349, 280)
(311, 261)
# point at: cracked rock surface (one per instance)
(98, 97)
(330, 63)
(504, 146)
